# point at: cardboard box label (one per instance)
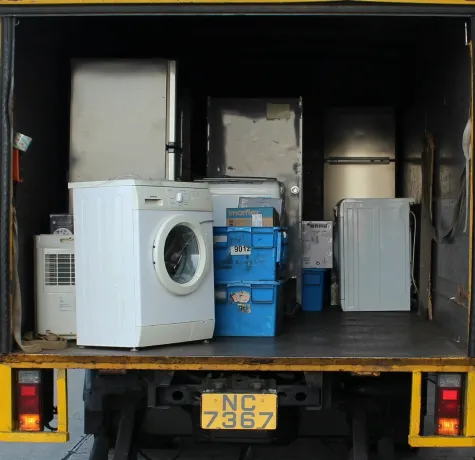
(256, 220)
(263, 202)
(252, 217)
(317, 241)
(240, 251)
(241, 297)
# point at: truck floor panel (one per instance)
(329, 337)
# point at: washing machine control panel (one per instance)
(179, 198)
(174, 198)
(188, 198)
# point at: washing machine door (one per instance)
(181, 254)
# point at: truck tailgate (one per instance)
(327, 339)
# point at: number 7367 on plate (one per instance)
(238, 411)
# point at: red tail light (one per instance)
(449, 405)
(29, 401)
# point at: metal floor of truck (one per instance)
(331, 334)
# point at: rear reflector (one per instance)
(29, 401)
(30, 422)
(449, 404)
(449, 395)
(448, 427)
(28, 390)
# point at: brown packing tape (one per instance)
(247, 222)
(48, 341)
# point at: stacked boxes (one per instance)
(248, 309)
(248, 253)
(317, 239)
(249, 261)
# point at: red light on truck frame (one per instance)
(28, 401)
(449, 404)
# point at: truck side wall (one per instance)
(439, 103)
(41, 111)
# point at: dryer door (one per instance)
(181, 255)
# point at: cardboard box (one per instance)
(252, 217)
(61, 224)
(317, 241)
(261, 202)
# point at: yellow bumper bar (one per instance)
(8, 431)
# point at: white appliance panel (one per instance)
(55, 285)
(374, 254)
(118, 106)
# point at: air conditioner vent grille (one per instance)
(59, 270)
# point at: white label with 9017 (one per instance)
(240, 251)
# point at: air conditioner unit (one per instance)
(55, 285)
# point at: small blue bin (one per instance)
(252, 309)
(313, 285)
(248, 253)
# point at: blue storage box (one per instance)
(253, 309)
(313, 284)
(248, 253)
(284, 257)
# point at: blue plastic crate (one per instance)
(313, 285)
(248, 253)
(253, 309)
(284, 257)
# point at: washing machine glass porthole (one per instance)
(181, 254)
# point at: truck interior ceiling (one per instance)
(394, 89)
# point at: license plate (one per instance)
(232, 411)
(240, 251)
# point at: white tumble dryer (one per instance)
(144, 262)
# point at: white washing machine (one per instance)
(144, 263)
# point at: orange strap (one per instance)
(16, 175)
